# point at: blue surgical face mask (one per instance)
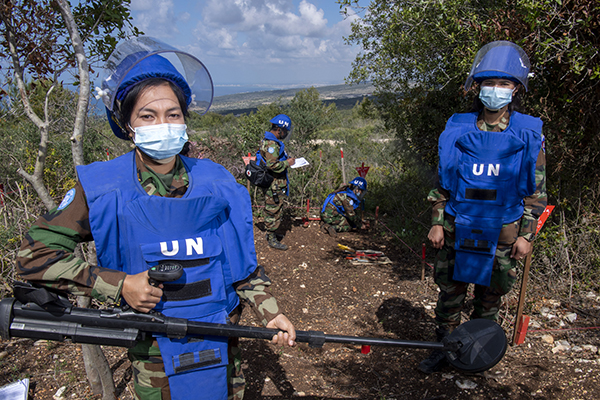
(161, 141)
(494, 98)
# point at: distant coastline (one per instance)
(240, 103)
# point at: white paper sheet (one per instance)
(15, 391)
(300, 162)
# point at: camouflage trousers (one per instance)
(273, 210)
(331, 217)
(452, 296)
(151, 382)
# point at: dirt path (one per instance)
(321, 290)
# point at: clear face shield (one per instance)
(499, 58)
(286, 134)
(359, 193)
(128, 54)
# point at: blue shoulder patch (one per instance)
(68, 199)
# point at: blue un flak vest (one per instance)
(281, 157)
(487, 174)
(349, 193)
(208, 230)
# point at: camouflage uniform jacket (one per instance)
(47, 251)
(343, 201)
(269, 150)
(534, 204)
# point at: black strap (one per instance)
(480, 194)
(205, 358)
(28, 293)
(180, 292)
(476, 245)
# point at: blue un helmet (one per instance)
(142, 58)
(282, 121)
(500, 59)
(359, 187)
(360, 183)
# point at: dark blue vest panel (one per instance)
(209, 231)
(350, 193)
(487, 174)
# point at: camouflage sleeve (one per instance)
(437, 197)
(536, 203)
(270, 152)
(255, 291)
(342, 200)
(46, 255)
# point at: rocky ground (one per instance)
(322, 290)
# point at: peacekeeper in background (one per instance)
(272, 151)
(150, 205)
(339, 208)
(491, 192)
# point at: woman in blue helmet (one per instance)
(339, 208)
(153, 205)
(491, 192)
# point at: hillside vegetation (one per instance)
(566, 254)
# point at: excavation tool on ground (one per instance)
(38, 313)
(358, 257)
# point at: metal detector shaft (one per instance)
(124, 327)
(474, 346)
(313, 338)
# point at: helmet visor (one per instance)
(500, 59)
(128, 54)
(287, 134)
(360, 193)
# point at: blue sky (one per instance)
(255, 44)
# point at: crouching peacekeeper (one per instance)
(339, 208)
(153, 205)
(272, 152)
(491, 192)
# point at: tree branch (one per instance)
(84, 83)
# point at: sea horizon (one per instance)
(228, 89)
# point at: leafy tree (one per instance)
(68, 42)
(19, 136)
(418, 54)
(251, 127)
(308, 114)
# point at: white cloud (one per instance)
(157, 18)
(310, 22)
(280, 18)
(141, 5)
(270, 28)
(254, 40)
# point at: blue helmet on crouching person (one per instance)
(359, 186)
(142, 59)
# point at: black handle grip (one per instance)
(167, 271)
